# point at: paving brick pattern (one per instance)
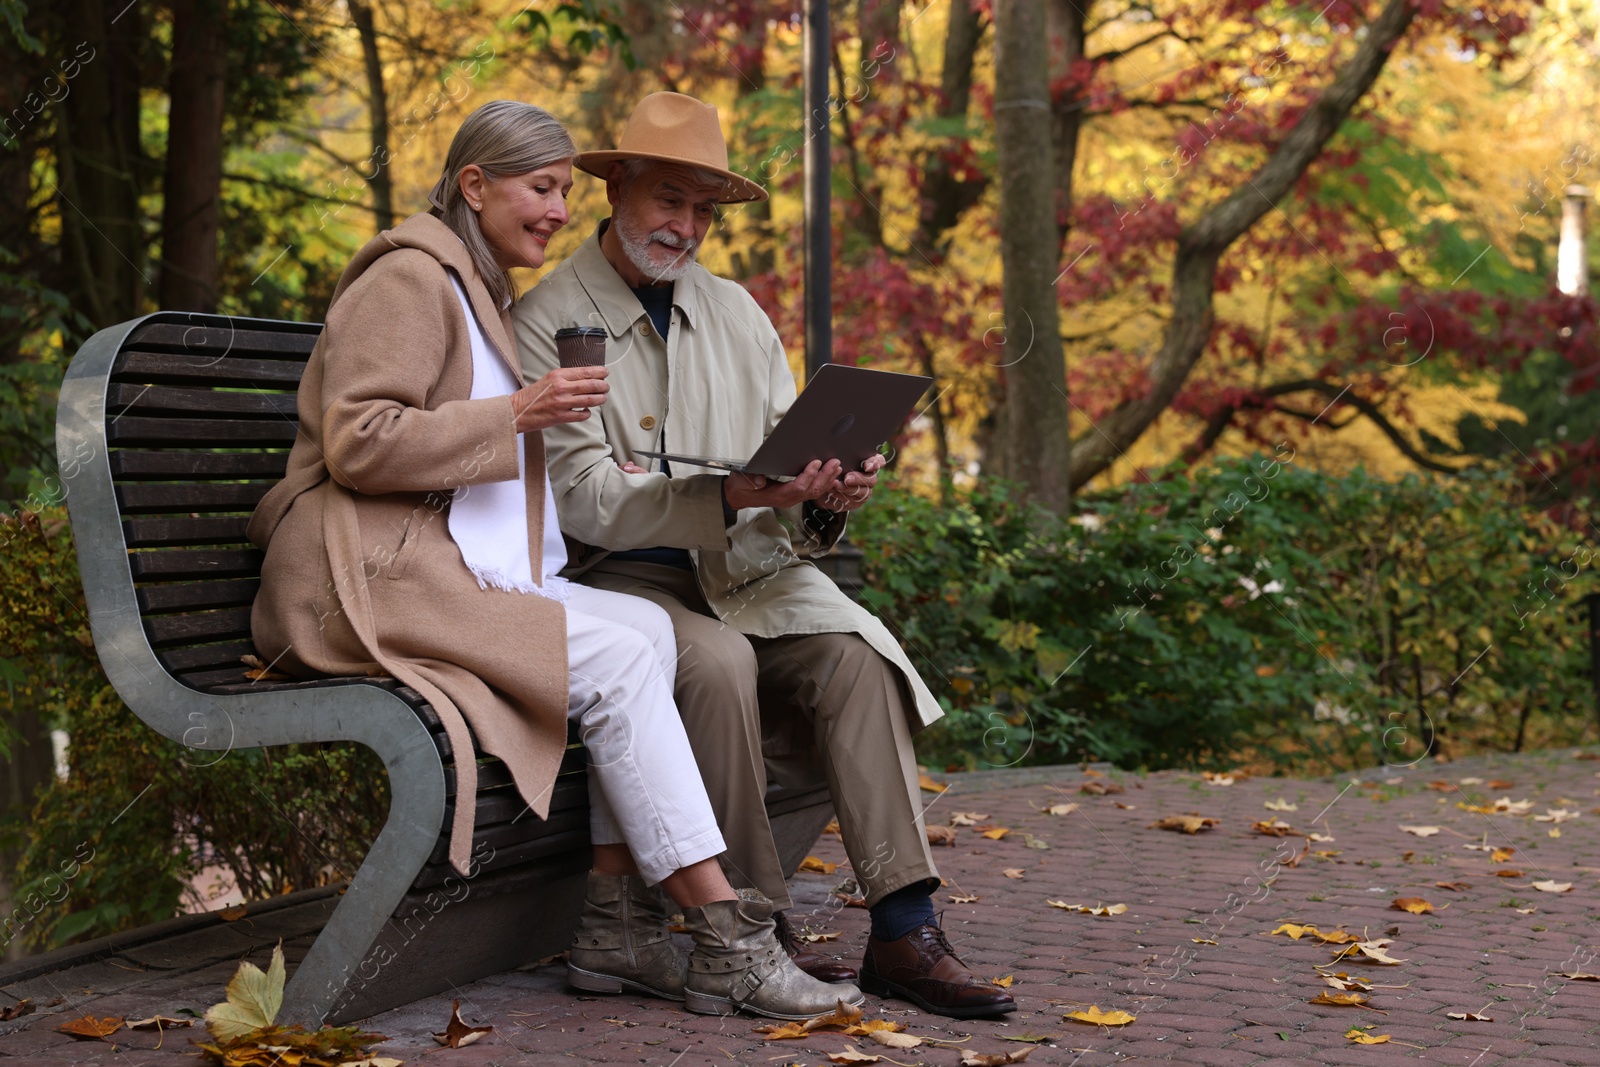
(1242, 1000)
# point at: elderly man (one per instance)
(777, 670)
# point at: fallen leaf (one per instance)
(1280, 805)
(1508, 872)
(997, 833)
(782, 1032)
(1551, 886)
(1526, 911)
(1557, 815)
(1554, 831)
(818, 866)
(1216, 778)
(1014, 872)
(1457, 887)
(929, 785)
(233, 914)
(1032, 1039)
(1275, 828)
(1336, 937)
(16, 1011)
(842, 1015)
(1099, 789)
(1320, 838)
(458, 1034)
(1414, 905)
(832, 828)
(964, 898)
(1294, 930)
(1373, 950)
(969, 1058)
(1472, 781)
(850, 1055)
(818, 938)
(254, 998)
(1101, 1018)
(1579, 976)
(90, 1028)
(1340, 1000)
(158, 1022)
(942, 835)
(867, 1026)
(1346, 982)
(1500, 855)
(895, 1040)
(1189, 824)
(1004, 981)
(1361, 1037)
(967, 818)
(1500, 783)
(1127, 807)
(1203, 940)
(1029, 841)
(1084, 909)
(1442, 787)
(1471, 1016)
(1061, 809)
(1421, 831)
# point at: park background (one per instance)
(1249, 447)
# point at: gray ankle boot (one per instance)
(623, 942)
(737, 964)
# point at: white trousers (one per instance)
(644, 786)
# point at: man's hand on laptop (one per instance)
(756, 491)
(855, 488)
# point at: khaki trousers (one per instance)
(802, 708)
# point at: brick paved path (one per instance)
(1190, 958)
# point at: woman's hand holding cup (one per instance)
(564, 395)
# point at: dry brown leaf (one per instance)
(1341, 1000)
(1415, 905)
(158, 1022)
(996, 833)
(842, 1015)
(1203, 940)
(1456, 887)
(1100, 1018)
(818, 866)
(1294, 861)
(1549, 885)
(1499, 783)
(942, 835)
(1216, 778)
(895, 1040)
(22, 1007)
(1189, 824)
(832, 828)
(1061, 809)
(1336, 937)
(1374, 950)
(1280, 804)
(1508, 872)
(969, 1058)
(1099, 789)
(1004, 981)
(233, 914)
(1014, 872)
(1442, 787)
(964, 898)
(818, 938)
(457, 1034)
(1084, 909)
(782, 1032)
(1470, 1016)
(851, 1055)
(967, 818)
(1294, 930)
(90, 1028)
(1557, 815)
(1275, 828)
(867, 1026)
(1346, 982)
(1127, 807)
(1526, 911)
(1579, 976)
(1421, 831)
(929, 785)
(1500, 855)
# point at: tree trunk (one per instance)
(760, 256)
(378, 115)
(944, 196)
(100, 169)
(28, 767)
(1201, 245)
(191, 214)
(1034, 444)
(1067, 19)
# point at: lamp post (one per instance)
(818, 231)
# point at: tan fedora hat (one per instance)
(673, 128)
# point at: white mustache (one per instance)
(672, 240)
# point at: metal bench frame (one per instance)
(497, 923)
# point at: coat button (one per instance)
(647, 423)
(644, 329)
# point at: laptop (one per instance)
(844, 413)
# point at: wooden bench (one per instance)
(169, 431)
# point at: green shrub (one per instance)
(1258, 611)
(114, 844)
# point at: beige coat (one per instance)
(719, 384)
(361, 575)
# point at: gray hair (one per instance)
(503, 138)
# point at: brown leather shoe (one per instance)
(922, 968)
(808, 959)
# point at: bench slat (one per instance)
(195, 596)
(197, 340)
(154, 498)
(220, 433)
(531, 829)
(149, 533)
(164, 367)
(554, 844)
(200, 657)
(132, 399)
(178, 563)
(128, 464)
(229, 623)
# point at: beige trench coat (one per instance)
(718, 384)
(361, 575)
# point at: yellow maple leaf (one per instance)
(1294, 930)
(1004, 981)
(812, 863)
(929, 785)
(997, 833)
(1096, 1017)
(1415, 905)
(254, 998)
(1361, 1037)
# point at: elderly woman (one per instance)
(415, 535)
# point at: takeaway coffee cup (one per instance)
(581, 346)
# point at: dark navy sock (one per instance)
(902, 911)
